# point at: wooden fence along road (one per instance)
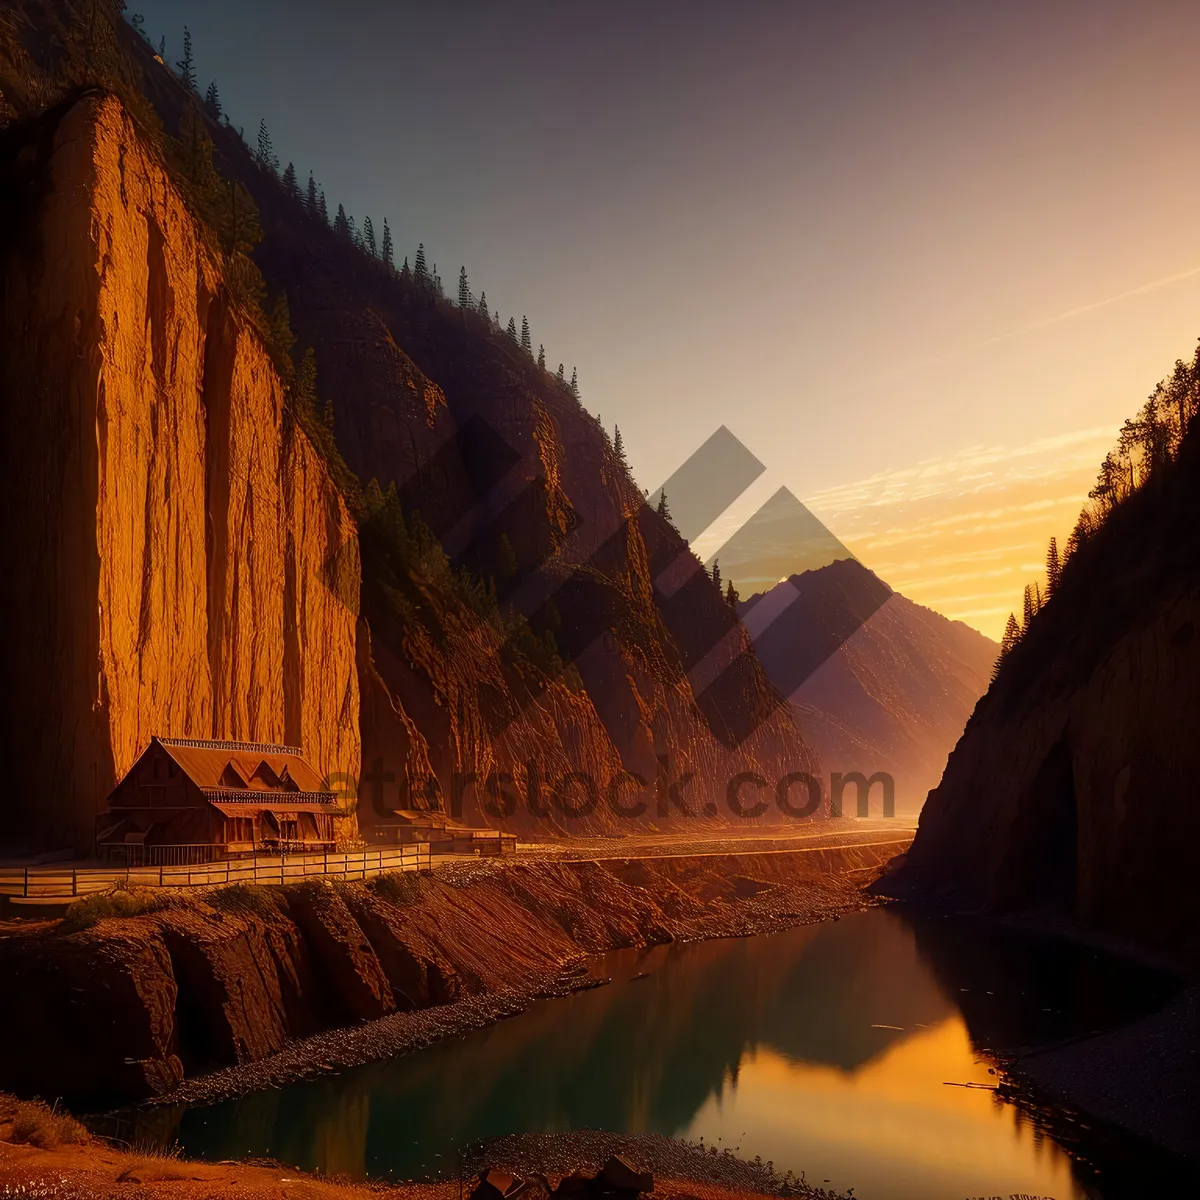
(56, 882)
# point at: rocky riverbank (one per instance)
(208, 995)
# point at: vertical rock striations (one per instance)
(180, 560)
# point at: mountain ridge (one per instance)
(879, 682)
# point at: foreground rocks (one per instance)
(94, 1170)
(241, 988)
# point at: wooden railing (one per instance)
(60, 882)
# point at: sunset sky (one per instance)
(922, 259)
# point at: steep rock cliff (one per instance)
(1070, 791)
(183, 562)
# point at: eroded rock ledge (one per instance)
(128, 1008)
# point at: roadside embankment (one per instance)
(221, 988)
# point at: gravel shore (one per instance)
(770, 910)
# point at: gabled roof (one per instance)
(257, 766)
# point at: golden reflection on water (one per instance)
(890, 1127)
(826, 1049)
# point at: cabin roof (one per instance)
(255, 766)
(231, 804)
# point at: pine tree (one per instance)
(266, 151)
(1012, 635)
(574, 383)
(280, 337)
(506, 560)
(369, 238)
(386, 249)
(355, 236)
(311, 202)
(464, 289)
(618, 442)
(1053, 568)
(561, 377)
(483, 308)
(405, 272)
(212, 101)
(526, 341)
(716, 575)
(340, 223)
(664, 509)
(162, 48)
(304, 386)
(323, 208)
(420, 270)
(187, 65)
(731, 596)
(289, 182)
(1032, 603)
(512, 328)
(542, 357)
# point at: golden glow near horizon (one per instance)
(964, 535)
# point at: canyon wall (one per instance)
(1070, 794)
(179, 559)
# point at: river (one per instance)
(834, 1049)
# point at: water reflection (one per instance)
(825, 1049)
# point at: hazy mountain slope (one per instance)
(888, 685)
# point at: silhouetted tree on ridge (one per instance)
(187, 65)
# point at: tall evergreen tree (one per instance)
(304, 386)
(664, 509)
(212, 101)
(1033, 602)
(311, 202)
(1053, 568)
(386, 251)
(618, 443)
(355, 236)
(716, 575)
(507, 563)
(574, 383)
(526, 341)
(483, 308)
(266, 151)
(322, 207)
(405, 272)
(289, 182)
(280, 337)
(187, 65)
(464, 289)
(731, 596)
(340, 223)
(561, 377)
(1012, 635)
(420, 270)
(542, 357)
(512, 328)
(369, 238)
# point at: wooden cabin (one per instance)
(186, 801)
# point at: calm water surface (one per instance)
(826, 1049)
